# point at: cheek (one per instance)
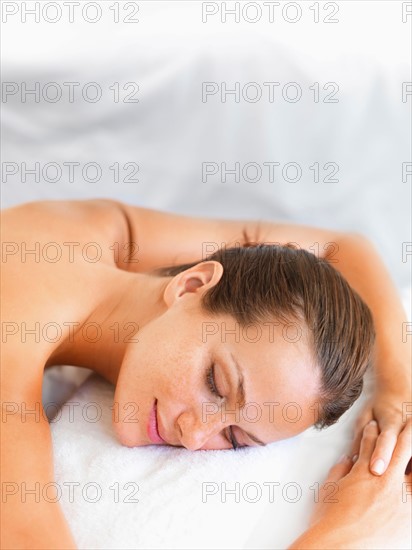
(179, 377)
(165, 366)
(178, 356)
(168, 363)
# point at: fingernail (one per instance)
(372, 422)
(355, 458)
(344, 458)
(378, 466)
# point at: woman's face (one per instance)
(182, 379)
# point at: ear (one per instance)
(196, 281)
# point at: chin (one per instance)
(127, 421)
(127, 433)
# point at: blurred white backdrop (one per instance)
(357, 129)
(340, 154)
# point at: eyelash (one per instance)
(210, 381)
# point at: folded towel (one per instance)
(157, 496)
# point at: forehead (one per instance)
(281, 378)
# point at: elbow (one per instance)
(357, 238)
(348, 244)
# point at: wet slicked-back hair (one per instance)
(262, 282)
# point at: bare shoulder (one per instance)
(54, 226)
(56, 264)
(75, 217)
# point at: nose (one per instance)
(196, 434)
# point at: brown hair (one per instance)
(282, 282)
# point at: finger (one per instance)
(370, 435)
(340, 469)
(354, 452)
(384, 447)
(402, 452)
(358, 432)
(365, 416)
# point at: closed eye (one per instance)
(210, 379)
(211, 384)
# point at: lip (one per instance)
(152, 426)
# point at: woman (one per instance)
(192, 320)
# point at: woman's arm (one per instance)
(167, 239)
(361, 265)
(162, 239)
(358, 510)
(29, 517)
(140, 239)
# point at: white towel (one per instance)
(170, 505)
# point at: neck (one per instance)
(124, 310)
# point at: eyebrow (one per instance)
(241, 398)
